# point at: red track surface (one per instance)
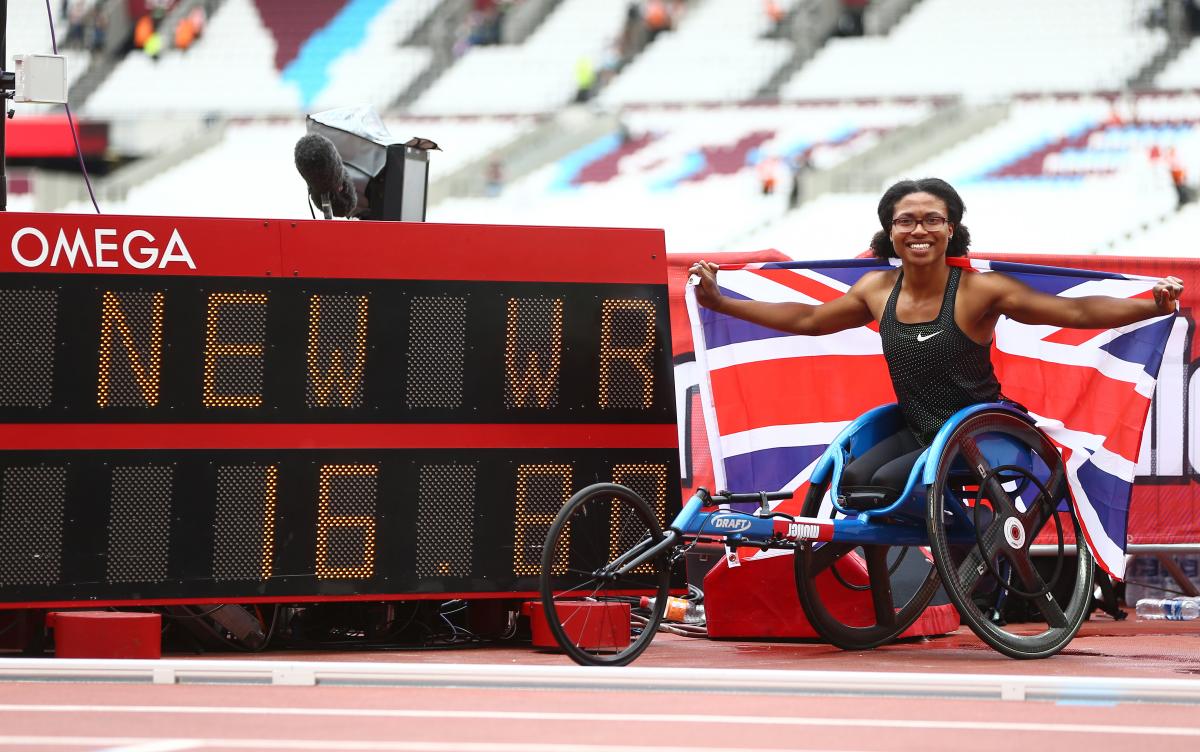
(586, 716)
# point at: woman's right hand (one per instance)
(707, 292)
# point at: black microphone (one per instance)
(328, 181)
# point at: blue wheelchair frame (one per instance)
(905, 517)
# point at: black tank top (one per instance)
(936, 369)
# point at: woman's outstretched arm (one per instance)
(1028, 306)
(845, 312)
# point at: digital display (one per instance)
(271, 351)
(297, 423)
(289, 523)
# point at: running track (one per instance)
(1119, 686)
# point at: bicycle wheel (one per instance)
(831, 579)
(1022, 475)
(593, 612)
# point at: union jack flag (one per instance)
(773, 401)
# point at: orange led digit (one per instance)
(216, 350)
(270, 489)
(532, 367)
(627, 335)
(146, 368)
(329, 380)
(346, 542)
(541, 490)
(648, 480)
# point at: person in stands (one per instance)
(936, 323)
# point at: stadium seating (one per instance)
(536, 76)
(715, 55)
(1184, 71)
(235, 68)
(984, 49)
(694, 143)
(693, 171)
(1058, 175)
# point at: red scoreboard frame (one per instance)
(236, 410)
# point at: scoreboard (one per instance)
(249, 410)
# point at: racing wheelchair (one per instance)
(974, 503)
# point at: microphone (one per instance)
(328, 181)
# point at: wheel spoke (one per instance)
(824, 557)
(825, 607)
(1002, 503)
(881, 585)
(1041, 510)
(972, 568)
(1032, 581)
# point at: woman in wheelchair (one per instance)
(936, 324)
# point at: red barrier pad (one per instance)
(590, 625)
(105, 634)
(758, 600)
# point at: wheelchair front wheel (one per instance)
(831, 576)
(1022, 475)
(594, 614)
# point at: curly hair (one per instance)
(960, 241)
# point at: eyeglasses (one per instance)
(931, 222)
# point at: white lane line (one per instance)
(657, 718)
(107, 743)
(158, 745)
(746, 681)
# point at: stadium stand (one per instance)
(536, 76)
(716, 54)
(259, 57)
(1184, 71)
(982, 49)
(1020, 104)
(667, 163)
(1088, 158)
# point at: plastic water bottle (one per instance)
(679, 609)
(1173, 609)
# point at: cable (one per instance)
(201, 615)
(71, 123)
(11, 624)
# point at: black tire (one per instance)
(1005, 533)
(895, 608)
(597, 525)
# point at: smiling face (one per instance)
(921, 245)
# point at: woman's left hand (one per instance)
(1167, 292)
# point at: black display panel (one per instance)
(286, 524)
(230, 350)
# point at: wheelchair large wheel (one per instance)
(832, 580)
(594, 614)
(1002, 481)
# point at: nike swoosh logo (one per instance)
(923, 337)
